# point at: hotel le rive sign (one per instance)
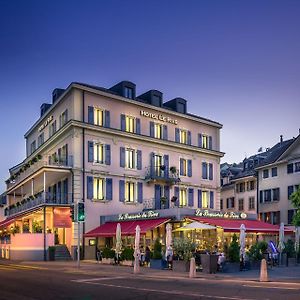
(198, 213)
(158, 117)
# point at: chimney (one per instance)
(281, 139)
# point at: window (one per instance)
(130, 158)
(205, 141)
(267, 195)
(266, 173)
(230, 202)
(221, 204)
(207, 170)
(52, 128)
(276, 194)
(182, 197)
(274, 172)
(290, 168)
(183, 167)
(158, 165)
(130, 126)
(98, 189)
(98, 116)
(291, 213)
(241, 204)
(32, 147)
(290, 191)
(204, 170)
(251, 203)
(252, 185)
(41, 139)
(240, 187)
(182, 136)
(129, 191)
(128, 92)
(297, 167)
(205, 199)
(99, 153)
(275, 217)
(158, 131)
(63, 118)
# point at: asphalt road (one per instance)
(26, 281)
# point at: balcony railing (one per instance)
(161, 173)
(38, 200)
(64, 162)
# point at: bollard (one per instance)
(136, 266)
(192, 268)
(263, 271)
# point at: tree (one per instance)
(234, 250)
(295, 197)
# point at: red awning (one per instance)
(127, 227)
(232, 225)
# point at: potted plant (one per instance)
(26, 228)
(39, 156)
(173, 170)
(163, 201)
(127, 257)
(256, 254)
(289, 249)
(156, 260)
(36, 227)
(108, 256)
(15, 229)
(184, 249)
(51, 253)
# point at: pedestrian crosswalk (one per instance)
(16, 267)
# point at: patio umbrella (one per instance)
(137, 250)
(195, 225)
(118, 240)
(281, 240)
(242, 242)
(168, 235)
(297, 237)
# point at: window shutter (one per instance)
(151, 129)
(200, 198)
(227, 202)
(189, 168)
(90, 187)
(91, 115)
(122, 157)
(123, 123)
(66, 190)
(122, 190)
(107, 119)
(181, 166)
(200, 140)
(152, 163)
(58, 196)
(177, 139)
(210, 142)
(140, 192)
(90, 151)
(210, 171)
(139, 160)
(204, 170)
(167, 195)
(107, 155)
(211, 200)
(191, 197)
(138, 126)
(189, 138)
(165, 132)
(176, 194)
(109, 189)
(166, 164)
(157, 195)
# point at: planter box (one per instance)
(156, 264)
(209, 263)
(128, 263)
(108, 261)
(181, 266)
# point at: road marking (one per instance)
(271, 287)
(6, 269)
(27, 267)
(98, 279)
(174, 292)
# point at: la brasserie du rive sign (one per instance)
(218, 214)
(138, 216)
(159, 117)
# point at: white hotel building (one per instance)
(117, 153)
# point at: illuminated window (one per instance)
(99, 153)
(98, 116)
(158, 131)
(184, 167)
(182, 197)
(130, 192)
(183, 136)
(205, 141)
(98, 189)
(130, 158)
(205, 197)
(130, 124)
(158, 165)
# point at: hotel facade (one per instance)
(120, 154)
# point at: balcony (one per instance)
(39, 199)
(162, 174)
(35, 165)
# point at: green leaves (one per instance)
(295, 197)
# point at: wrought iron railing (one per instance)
(161, 173)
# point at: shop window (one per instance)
(98, 189)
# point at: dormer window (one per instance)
(128, 92)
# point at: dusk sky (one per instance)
(236, 62)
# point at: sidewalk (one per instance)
(277, 274)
